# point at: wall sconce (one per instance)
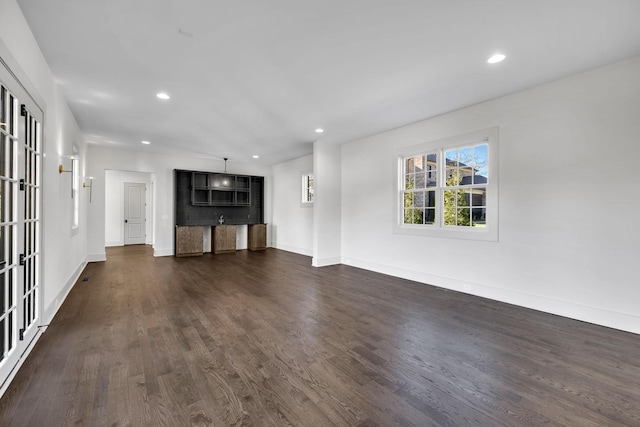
(89, 186)
(62, 170)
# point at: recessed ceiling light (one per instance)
(163, 95)
(255, 156)
(319, 130)
(146, 142)
(498, 57)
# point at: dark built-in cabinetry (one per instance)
(217, 189)
(220, 201)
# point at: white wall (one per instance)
(568, 207)
(327, 205)
(292, 228)
(20, 51)
(162, 168)
(114, 205)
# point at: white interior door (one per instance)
(20, 214)
(134, 213)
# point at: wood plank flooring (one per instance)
(264, 339)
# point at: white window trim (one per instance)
(488, 233)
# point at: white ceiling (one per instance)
(259, 76)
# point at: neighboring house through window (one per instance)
(307, 189)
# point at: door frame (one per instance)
(114, 204)
(14, 78)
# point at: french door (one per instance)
(20, 214)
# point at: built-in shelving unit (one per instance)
(218, 189)
(217, 200)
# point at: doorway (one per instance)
(128, 208)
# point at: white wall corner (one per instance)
(294, 249)
(96, 257)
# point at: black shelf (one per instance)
(219, 189)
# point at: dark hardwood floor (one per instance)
(264, 339)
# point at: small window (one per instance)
(307, 189)
(448, 188)
(75, 186)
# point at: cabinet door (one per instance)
(189, 241)
(257, 237)
(223, 238)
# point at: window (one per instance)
(75, 196)
(448, 188)
(307, 189)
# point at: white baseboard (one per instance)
(294, 249)
(323, 262)
(162, 252)
(62, 295)
(611, 319)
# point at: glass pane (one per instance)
(463, 217)
(3, 154)
(479, 217)
(418, 199)
(4, 246)
(480, 154)
(453, 177)
(2, 109)
(429, 216)
(420, 180)
(481, 175)
(449, 215)
(450, 199)
(418, 216)
(10, 159)
(3, 200)
(465, 156)
(408, 216)
(430, 200)
(431, 170)
(3, 287)
(451, 157)
(408, 182)
(479, 197)
(464, 197)
(408, 167)
(408, 199)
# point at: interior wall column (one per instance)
(327, 206)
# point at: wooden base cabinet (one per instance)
(189, 240)
(257, 237)
(223, 239)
